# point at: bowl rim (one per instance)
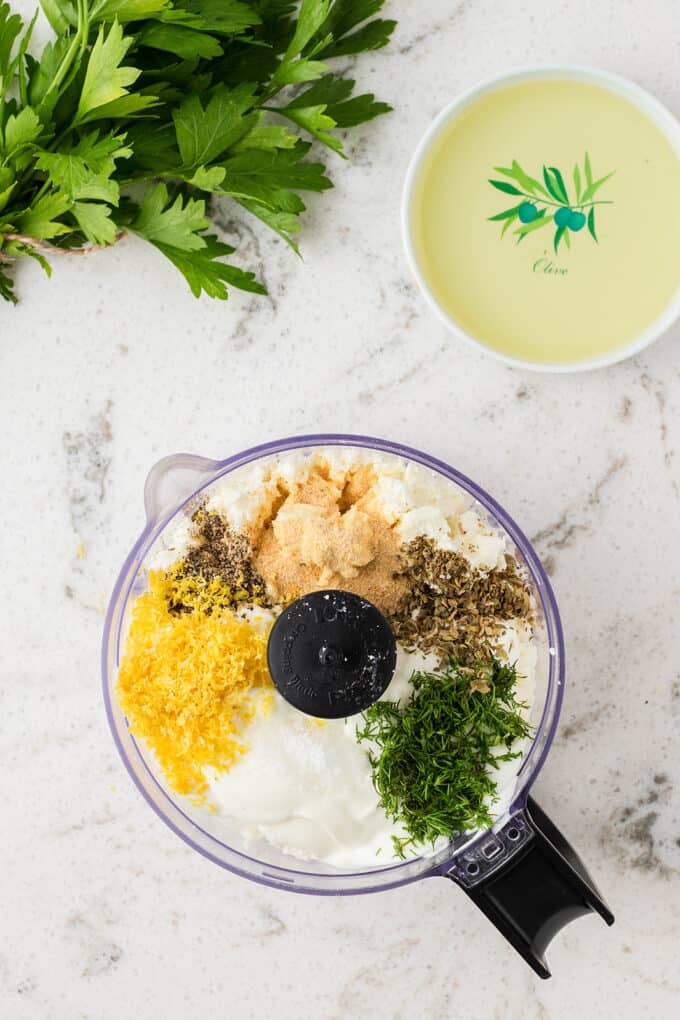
(239, 862)
(657, 111)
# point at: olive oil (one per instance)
(546, 220)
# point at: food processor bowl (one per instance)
(521, 873)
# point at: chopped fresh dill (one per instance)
(433, 757)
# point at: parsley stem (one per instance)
(78, 46)
(63, 68)
(53, 249)
(84, 29)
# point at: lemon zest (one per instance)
(190, 682)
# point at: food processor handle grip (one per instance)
(537, 890)
(173, 479)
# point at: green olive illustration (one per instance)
(576, 221)
(527, 212)
(563, 216)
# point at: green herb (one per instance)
(453, 609)
(140, 111)
(568, 214)
(433, 759)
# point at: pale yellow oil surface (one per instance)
(594, 297)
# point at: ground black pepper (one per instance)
(222, 554)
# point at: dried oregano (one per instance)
(453, 609)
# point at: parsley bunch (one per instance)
(434, 758)
(139, 111)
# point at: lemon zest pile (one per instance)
(196, 592)
(190, 682)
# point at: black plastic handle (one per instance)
(529, 881)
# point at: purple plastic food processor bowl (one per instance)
(521, 873)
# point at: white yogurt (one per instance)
(307, 789)
(305, 786)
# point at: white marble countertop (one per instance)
(113, 364)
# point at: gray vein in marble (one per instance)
(94, 820)
(561, 534)
(625, 410)
(351, 998)
(657, 390)
(564, 532)
(240, 229)
(262, 926)
(410, 310)
(549, 564)
(380, 391)
(26, 986)
(494, 410)
(582, 723)
(88, 454)
(243, 234)
(94, 951)
(675, 693)
(274, 926)
(364, 363)
(240, 336)
(655, 983)
(439, 26)
(534, 1009)
(632, 831)
(88, 460)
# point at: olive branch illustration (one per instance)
(550, 202)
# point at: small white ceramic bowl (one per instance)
(647, 103)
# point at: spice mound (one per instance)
(329, 531)
(456, 609)
(440, 751)
(220, 553)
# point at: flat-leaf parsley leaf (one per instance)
(139, 112)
